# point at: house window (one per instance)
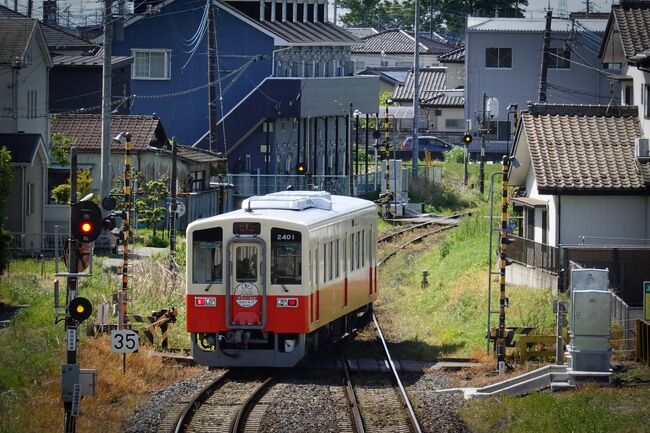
(530, 224)
(544, 227)
(499, 130)
(360, 65)
(153, 64)
(628, 95)
(384, 63)
(198, 181)
(559, 58)
(32, 102)
(646, 100)
(30, 199)
(498, 57)
(404, 64)
(454, 123)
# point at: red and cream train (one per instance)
(268, 282)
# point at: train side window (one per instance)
(352, 252)
(325, 262)
(363, 248)
(286, 257)
(331, 262)
(336, 253)
(358, 249)
(246, 264)
(207, 256)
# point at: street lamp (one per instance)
(512, 109)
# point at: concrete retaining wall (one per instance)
(521, 275)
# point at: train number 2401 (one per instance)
(285, 237)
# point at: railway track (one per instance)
(378, 402)
(451, 221)
(233, 402)
(236, 401)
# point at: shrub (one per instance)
(157, 242)
(455, 154)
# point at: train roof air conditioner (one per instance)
(290, 200)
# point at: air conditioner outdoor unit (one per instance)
(642, 147)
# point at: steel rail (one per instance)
(246, 408)
(414, 240)
(352, 397)
(437, 220)
(412, 418)
(197, 401)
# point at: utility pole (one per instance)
(416, 93)
(173, 207)
(504, 241)
(484, 131)
(545, 57)
(105, 184)
(212, 81)
(348, 126)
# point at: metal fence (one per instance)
(527, 252)
(26, 242)
(620, 314)
(247, 185)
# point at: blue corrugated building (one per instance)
(285, 91)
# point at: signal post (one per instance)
(85, 226)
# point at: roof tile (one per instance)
(584, 147)
(431, 79)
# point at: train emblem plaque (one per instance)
(246, 295)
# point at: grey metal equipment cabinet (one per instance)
(590, 329)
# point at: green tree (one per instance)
(149, 205)
(61, 193)
(442, 16)
(60, 148)
(5, 186)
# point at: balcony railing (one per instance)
(527, 252)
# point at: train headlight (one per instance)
(287, 302)
(205, 301)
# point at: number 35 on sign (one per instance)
(124, 341)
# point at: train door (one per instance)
(246, 284)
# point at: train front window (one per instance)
(207, 256)
(286, 257)
(246, 265)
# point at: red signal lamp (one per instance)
(86, 227)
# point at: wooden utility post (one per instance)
(172, 210)
(126, 231)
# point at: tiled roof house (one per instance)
(443, 108)
(578, 177)
(151, 150)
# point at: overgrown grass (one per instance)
(448, 317)
(33, 347)
(586, 411)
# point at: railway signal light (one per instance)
(85, 221)
(80, 309)
(467, 139)
(300, 168)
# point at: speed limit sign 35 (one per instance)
(124, 341)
